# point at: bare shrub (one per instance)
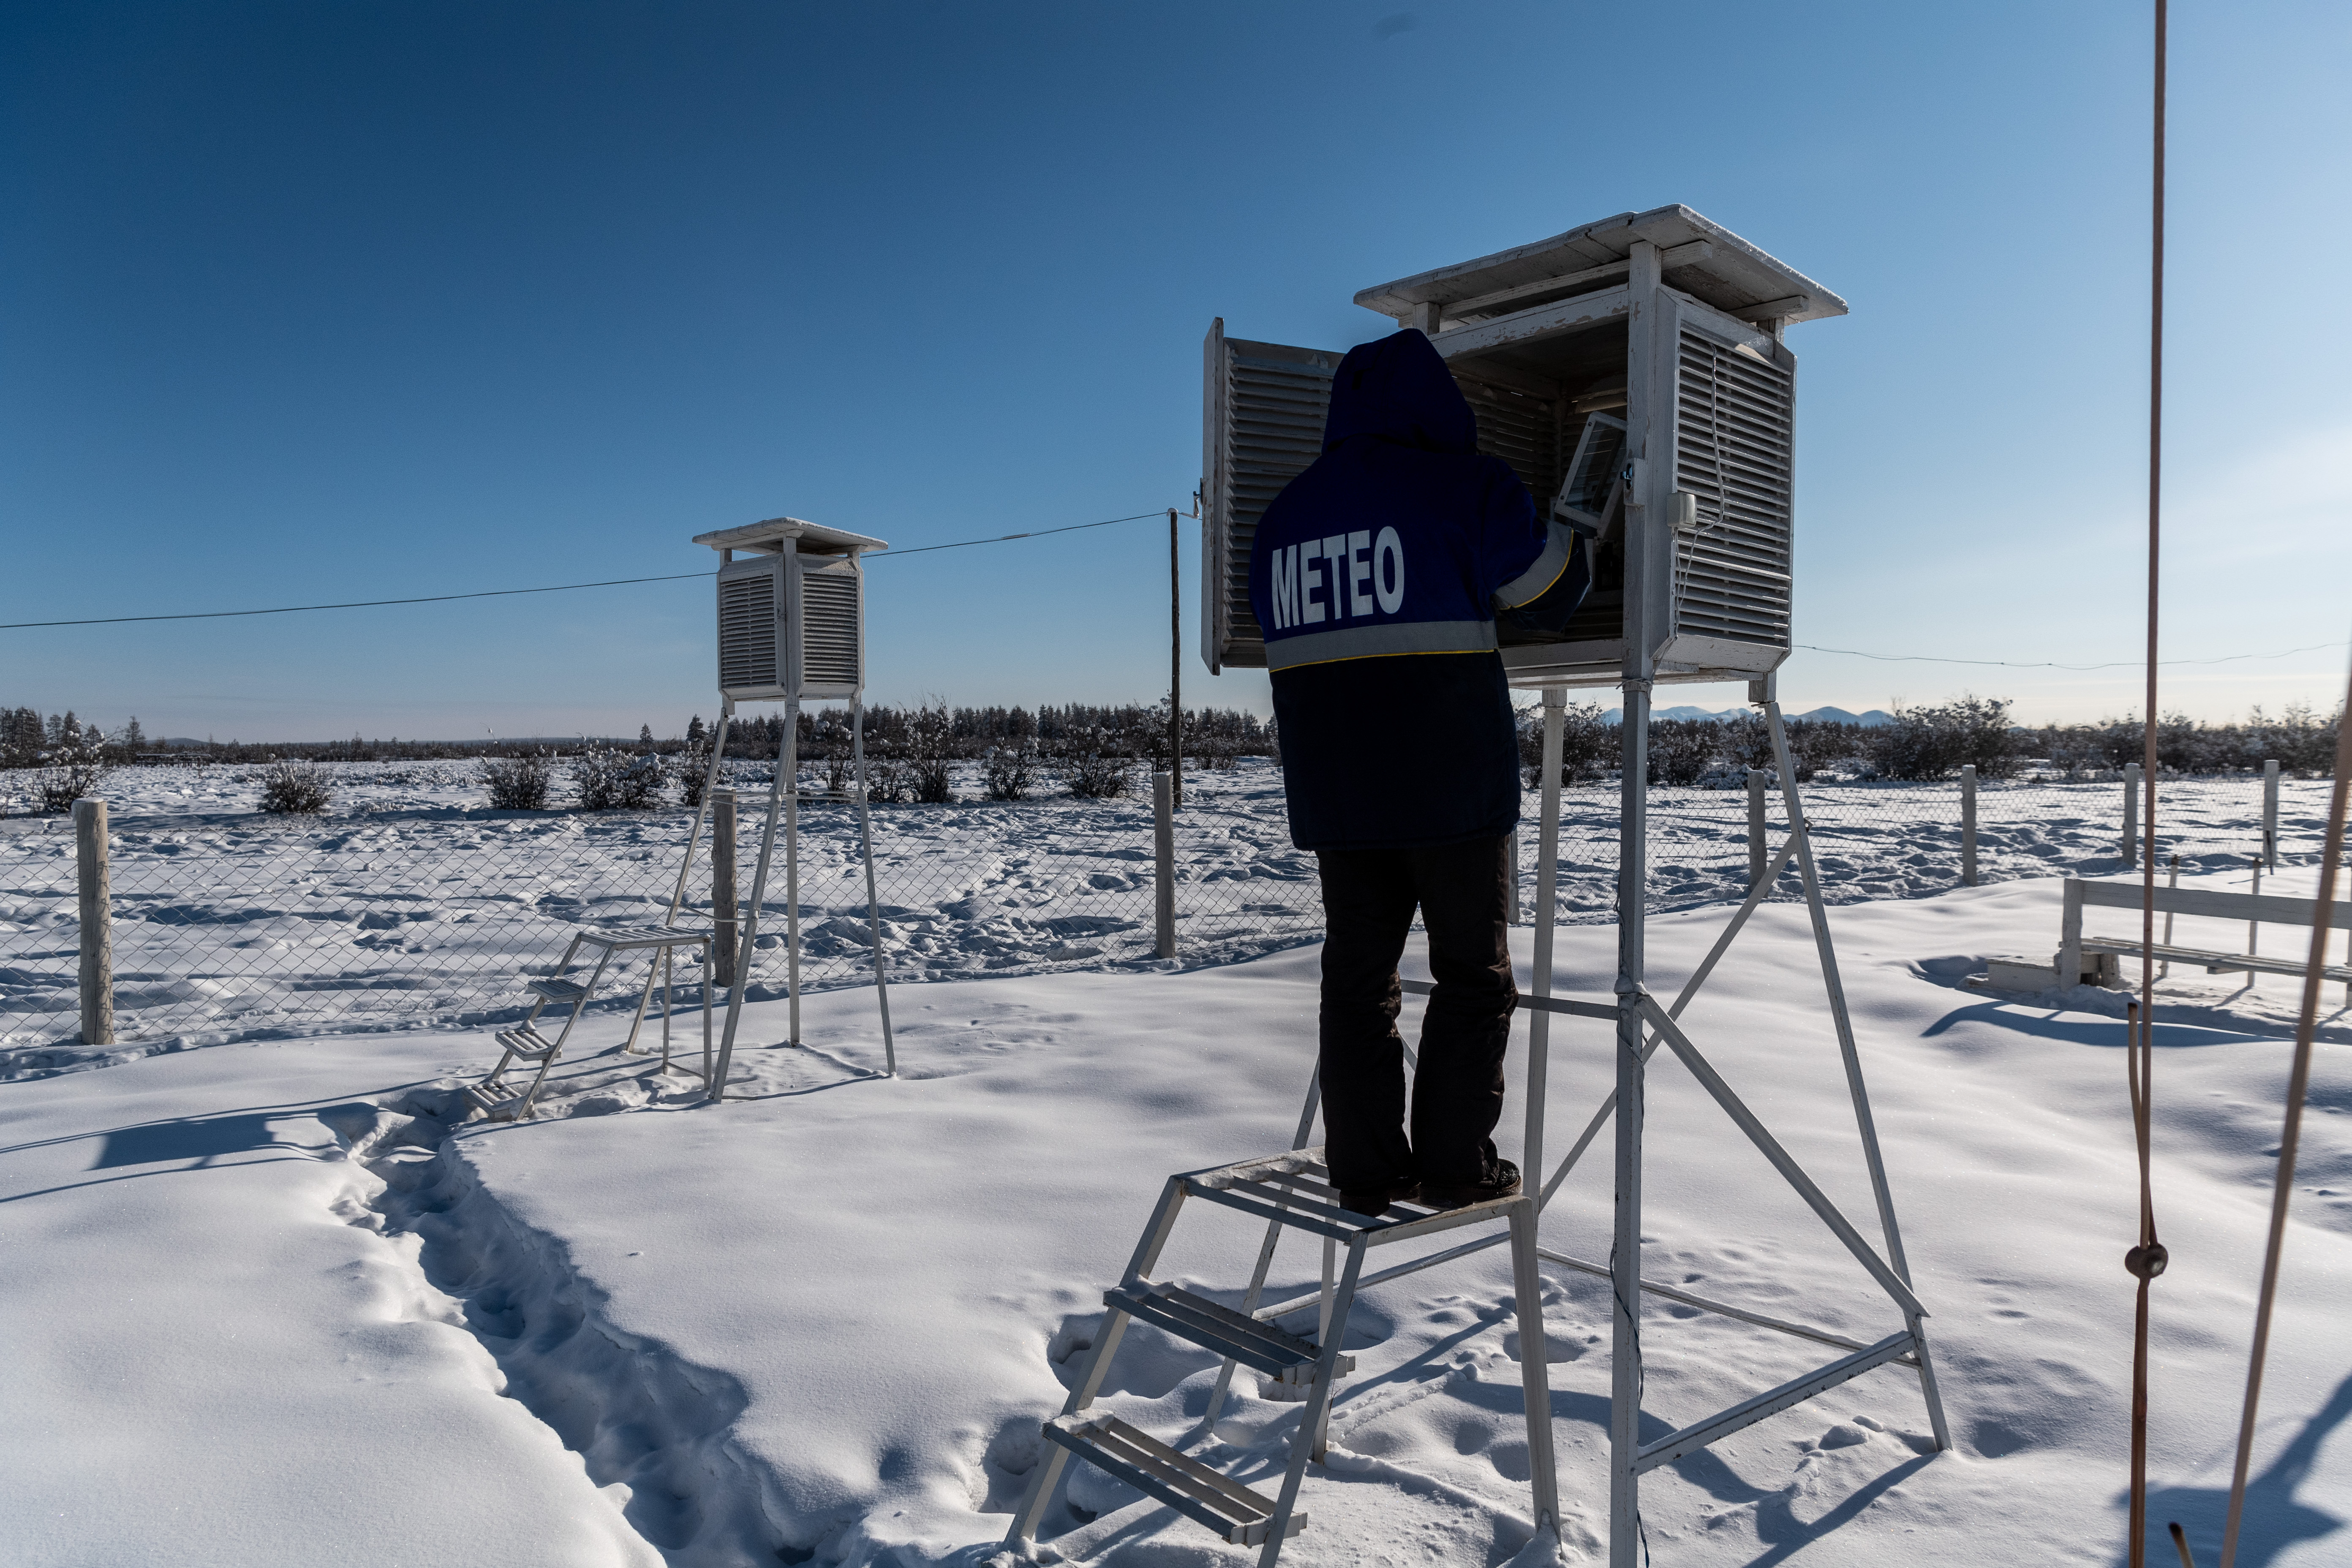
(1094, 766)
(609, 779)
(518, 784)
(291, 788)
(1011, 770)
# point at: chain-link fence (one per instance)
(239, 926)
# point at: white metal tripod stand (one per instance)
(1293, 1193)
(783, 811)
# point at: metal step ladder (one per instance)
(1289, 1191)
(498, 1098)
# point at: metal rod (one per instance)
(1535, 1365)
(1264, 1252)
(1855, 1088)
(1790, 1172)
(1555, 708)
(1175, 671)
(749, 950)
(792, 766)
(873, 903)
(694, 836)
(2306, 1027)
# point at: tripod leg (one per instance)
(747, 945)
(1535, 1365)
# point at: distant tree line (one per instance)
(1922, 744)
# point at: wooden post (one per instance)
(1968, 825)
(2131, 814)
(722, 886)
(1163, 845)
(1175, 676)
(97, 924)
(1758, 861)
(2270, 812)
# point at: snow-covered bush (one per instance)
(888, 780)
(518, 783)
(693, 766)
(1933, 743)
(609, 779)
(1093, 767)
(291, 788)
(930, 747)
(76, 765)
(1009, 769)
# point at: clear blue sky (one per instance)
(309, 302)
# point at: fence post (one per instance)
(723, 915)
(1519, 894)
(97, 924)
(2131, 814)
(1163, 843)
(1757, 858)
(2270, 812)
(1968, 825)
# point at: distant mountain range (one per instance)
(1871, 718)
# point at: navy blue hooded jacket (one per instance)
(1376, 575)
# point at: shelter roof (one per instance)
(778, 534)
(1716, 266)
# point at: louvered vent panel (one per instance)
(1274, 428)
(1734, 434)
(747, 632)
(829, 628)
(1522, 430)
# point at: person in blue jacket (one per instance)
(1378, 576)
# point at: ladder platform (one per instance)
(1284, 1357)
(620, 938)
(526, 1043)
(557, 990)
(1232, 1511)
(1294, 1188)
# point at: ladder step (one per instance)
(644, 936)
(496, 1102)
(1260, 1346)
(1232, 1510)
(526, 1042)
(557, 990)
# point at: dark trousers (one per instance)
(1368, 898)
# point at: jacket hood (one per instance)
(1398, 387)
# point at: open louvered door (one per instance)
(1734, 448)
(1262, 422)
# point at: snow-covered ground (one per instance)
(261, 1296)
(410, 905)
